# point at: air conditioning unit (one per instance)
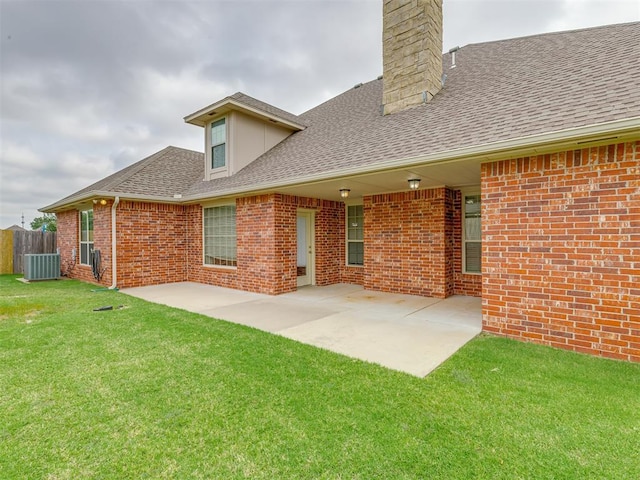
(41, 266)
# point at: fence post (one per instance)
(6, 251)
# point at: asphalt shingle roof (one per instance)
(170, 171)
(497, 91)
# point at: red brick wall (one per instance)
(151, 240)
(264, 258)
(464, 283)
(448, 213)
(409, 245)
(353, 275)
(561, 247)
(68, 239)
(102, 240)
(159, 243)
(266, 228)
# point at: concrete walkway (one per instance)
(403, 332)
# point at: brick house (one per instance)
(508, 170)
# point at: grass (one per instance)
(147, 391)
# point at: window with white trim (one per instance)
(355, 235)
(86, 236)
(472, 232)
(220, 236)
(218, 143)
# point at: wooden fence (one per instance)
(15, 244)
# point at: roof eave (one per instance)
(570, 139)
(76, 200)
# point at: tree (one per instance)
(48, 220)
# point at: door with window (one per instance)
(305, 248)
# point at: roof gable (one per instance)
(248, 105)
(164, 174)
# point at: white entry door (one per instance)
(306, 257)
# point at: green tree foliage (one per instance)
(48, 219)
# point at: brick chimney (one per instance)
(411, 52)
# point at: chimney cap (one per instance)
(454, 49)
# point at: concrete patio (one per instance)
(403, 332)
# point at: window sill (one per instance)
(221, 267)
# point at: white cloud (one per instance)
(591, 13)
(17, 157)
(164, 93)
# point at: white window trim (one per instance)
(80, 242)
(463, 194)
(216, 172)
(346, 234)
(226, 145)
(213, 205)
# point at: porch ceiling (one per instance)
(459, 174)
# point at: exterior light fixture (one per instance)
(344, 192)
(103, 202)
(414, 183)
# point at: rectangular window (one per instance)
(472, 234)
(86, 236)
(218, 143)
(220, 236)
(355, 235)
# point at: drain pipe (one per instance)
(114, 261)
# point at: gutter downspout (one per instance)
(114, 261)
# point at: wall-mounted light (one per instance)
(414, 183)
(103, 202)
(344, 192)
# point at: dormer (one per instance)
(238, 129)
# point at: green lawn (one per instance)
(147, 391)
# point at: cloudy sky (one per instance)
(88, 87)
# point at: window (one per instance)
(472, 249)
(86, 236)
(220, 236)
(218, 143)
(355, 235)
